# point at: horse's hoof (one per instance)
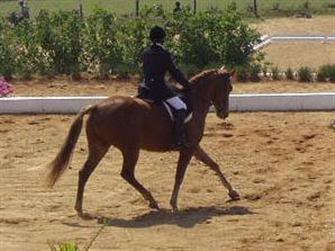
(234, 195)
(175, 209)
(86, 216)
(154, 205)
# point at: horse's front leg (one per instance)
(201, 155)
(185, 156)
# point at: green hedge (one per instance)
(103, 44)
(326, 72)
(257, 71)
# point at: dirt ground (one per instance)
(285, 55)
(65, 87)
(281, 163)
(302, 53)
(318, 25)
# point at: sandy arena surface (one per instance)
(281, 163)
(66, 87)
(285, 55)
(318, 25)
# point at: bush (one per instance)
(254, 70)
(275, 73)
(7, 50)
(134, 40)
(305, 74)
(241, 73)
(60, 36)
(28, 53)
(276, 6)
(68, 246)
(192, 42)
(104, 44)
(326, 73)
(190, 69)
(102, 48)
(235, 38)
(289, 73)
(43, 36)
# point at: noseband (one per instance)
(220, 109)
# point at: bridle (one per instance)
(221, 108)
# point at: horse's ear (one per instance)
(232, 73)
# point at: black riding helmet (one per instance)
(157, 34)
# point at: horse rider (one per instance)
(157, 61)
(177, 9)
(24, 9)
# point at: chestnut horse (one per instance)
(131, 124)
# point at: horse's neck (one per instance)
(200, 103)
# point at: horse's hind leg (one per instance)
(201, 155)
(97, 151)
(130, 157)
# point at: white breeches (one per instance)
(177, 103)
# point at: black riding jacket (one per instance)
(156, 62)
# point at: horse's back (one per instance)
(131, 122)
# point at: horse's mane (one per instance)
(212, 73)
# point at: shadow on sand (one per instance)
(186, 218)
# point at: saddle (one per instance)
(170, 109)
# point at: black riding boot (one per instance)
(179, 129)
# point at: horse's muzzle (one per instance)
(225, 115)
(222, 114)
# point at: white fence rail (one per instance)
(238, 103)
(266, 40)
(283, 102)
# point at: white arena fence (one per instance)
(266, 39)
(238, 103)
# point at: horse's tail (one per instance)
(62, 160)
